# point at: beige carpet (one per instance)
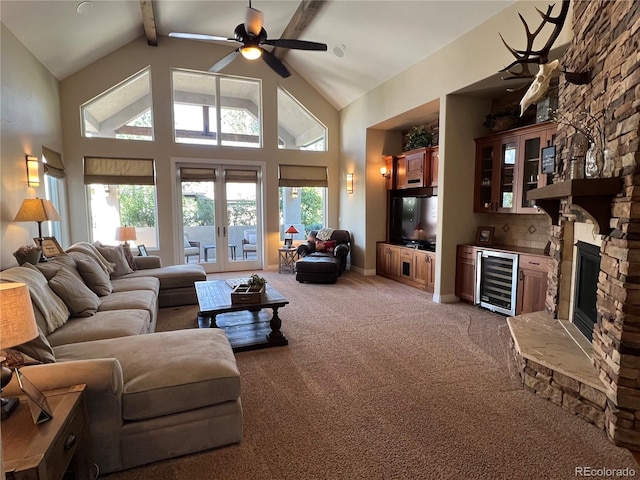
(379, 382)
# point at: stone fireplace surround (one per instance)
(606, 42)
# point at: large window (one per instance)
(302, 199)
(54, 175)
(298, 129)
(214, 109)
(121, 192)
(122, 112)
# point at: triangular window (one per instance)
(298, 129)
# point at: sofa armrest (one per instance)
(306, 248)
(103, 378)
(144, 263)
(341, 250)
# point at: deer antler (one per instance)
(530, 56)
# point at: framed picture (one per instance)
(288, 242)
(484, 236)
(142, 251)
(549, 159)
(50, 246)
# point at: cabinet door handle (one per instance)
(69, 442)
(520, 275)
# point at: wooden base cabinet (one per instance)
(407, 265)
(466, 273)
(532, 283)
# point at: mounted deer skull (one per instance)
(524, 58)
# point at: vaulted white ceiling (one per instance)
(369, 41)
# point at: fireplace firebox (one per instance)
(586, 286)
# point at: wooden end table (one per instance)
(48, 450)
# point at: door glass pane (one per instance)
(508, 161)
(486, 169)
(531, 167)
(242, 221)
(199, 221)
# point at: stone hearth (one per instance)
(606, 42)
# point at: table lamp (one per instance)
(37, 210)
(291, 231)
(124, 234)
(18, 325)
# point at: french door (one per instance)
(221, 216)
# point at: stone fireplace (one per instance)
(606, 42)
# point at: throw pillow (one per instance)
(116, 256)
(79, 298)
(15, 359)
(51, 267)
(39, 349)
(53, 309)
(95, 277)
(329, 245)
(252, 238)
(129, 256)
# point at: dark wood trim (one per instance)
(304, 14)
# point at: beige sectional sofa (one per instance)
(150, 396)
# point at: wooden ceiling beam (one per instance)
(302, 17)
(149, 22)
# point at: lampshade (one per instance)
(17, 320)
(292, 230)
(37, 210)
(125, 233)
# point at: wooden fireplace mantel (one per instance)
(593, 195)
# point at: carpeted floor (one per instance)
(379, 382)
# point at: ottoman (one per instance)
(317, 269)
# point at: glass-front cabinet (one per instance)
(508, 166)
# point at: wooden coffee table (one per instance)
(248, 326)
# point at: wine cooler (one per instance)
(496, 281)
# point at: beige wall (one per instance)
(112, 69)
(473, 58)
(30, 118)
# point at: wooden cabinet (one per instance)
(412, 167)
(532, 283)
(466, 272)
(507, 166)
(433, 167)
(407, 265)
(388, 260)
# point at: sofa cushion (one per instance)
(94, 276)
(174, 276)
(108, 324)
(129, 283)
(134, 300)
(52, 308)
(169, 372)
(78, 298)
(115, 255)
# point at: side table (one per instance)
(52, 448)
(287, 259)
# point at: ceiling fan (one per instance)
(252, 36)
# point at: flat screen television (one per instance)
(414, 220)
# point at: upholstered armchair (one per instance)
(191, 249)
(249, 242)
(340, 246)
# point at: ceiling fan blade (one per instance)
(296, 44)
(275, 64)
(254, 21)
(201, 36)
(224, 61)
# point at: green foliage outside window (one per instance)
(197, 211)
(137, 205)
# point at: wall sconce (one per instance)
(33, 171)
(384, 172)
(294, 193)
(349, 182)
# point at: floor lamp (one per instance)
(37, 210)
(18, 325)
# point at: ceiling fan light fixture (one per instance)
(251, 53)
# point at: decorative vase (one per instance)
(27, 257)
(576, 168)
(608, 166)
(594, 162)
